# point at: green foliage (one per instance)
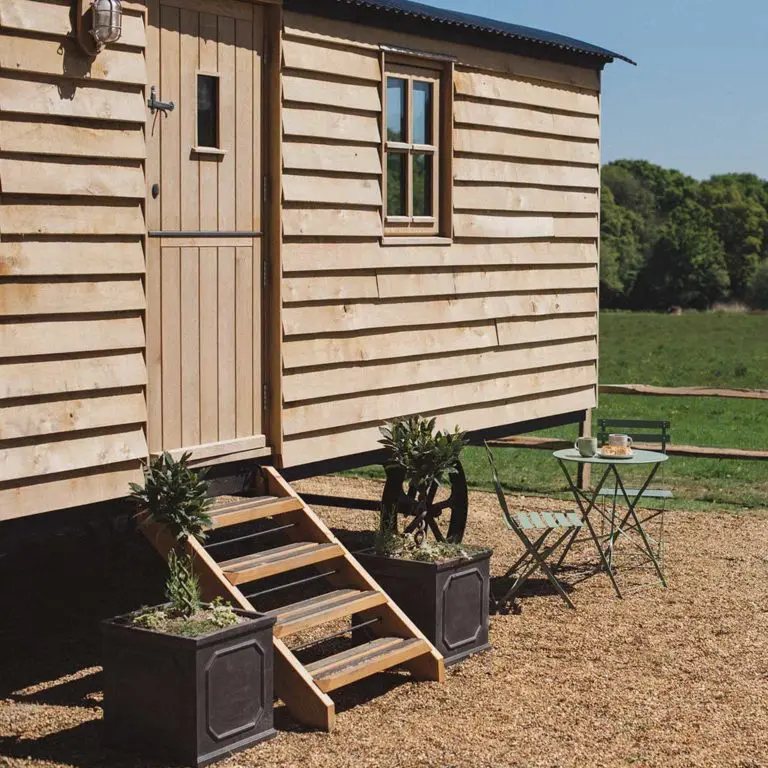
(668, 239)
(425, 454)
(757, 295)
(688, 262)
(175, 496)
(182, 587)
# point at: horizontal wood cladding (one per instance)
(494, 142)
(330, 93)
(72, 336)
(53, 17)
(337, 191)
(338, 349)
(524, 118)
(321, 123)
(305, 449)
(522, 91)
(524, 199)
(70, 218)
(494, 325)
(298, 156)
(75, 257)
(85, 100)
(505, 171)
(54, 376)
(412, 283)
(50, 417)
(29, 137)
(76, 451)
(34, 495)
(64, 58)
(63, 178)
(332, 34)
(351, 256)
(25, 297)
(376, 408)
(358, 315)
(341, 61)
(60, 336)
(401, 375)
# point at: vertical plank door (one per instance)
(204, 179)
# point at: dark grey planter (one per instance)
(447, 601)
(191, 699)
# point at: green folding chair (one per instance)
(656, 433)
(553, 531)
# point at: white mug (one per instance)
(620, 441)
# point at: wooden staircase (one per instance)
(243, 551)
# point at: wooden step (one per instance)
(318, 610)
(255, 508)
(365, 660)
(279, 560)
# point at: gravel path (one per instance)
(675, 677)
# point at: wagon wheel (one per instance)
(405, 503)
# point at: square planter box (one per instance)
(447, 601)
(191, 699)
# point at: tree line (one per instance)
(671, 240)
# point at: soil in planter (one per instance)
(205, 621)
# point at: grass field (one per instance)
(696, 349)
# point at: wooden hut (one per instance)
(355, 210)
(256, 230)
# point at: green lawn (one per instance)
(715, 349)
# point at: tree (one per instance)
(688, 265)
(757, 296)
(741, 222)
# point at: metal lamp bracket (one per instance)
(158, 106)
(82, 28)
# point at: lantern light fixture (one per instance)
(104, 25)
(107, 18)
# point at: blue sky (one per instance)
(698, 101)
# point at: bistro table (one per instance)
(630, 521)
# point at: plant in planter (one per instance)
(188, 680)
(442, 585)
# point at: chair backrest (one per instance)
(641, 431)
(509, 518)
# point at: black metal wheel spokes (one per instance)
(426, 514)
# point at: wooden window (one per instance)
(207, 111)
(414, 177)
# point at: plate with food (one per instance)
(615, 452)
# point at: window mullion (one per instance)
(409, 137)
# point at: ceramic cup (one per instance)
(586, 446)
(620, 441)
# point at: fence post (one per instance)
(585, 470)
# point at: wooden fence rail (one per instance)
(691, 451)
(646, 389)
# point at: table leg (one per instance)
(632, 513)
(577, 494)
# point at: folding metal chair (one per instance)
(564, 526)
(655, 432)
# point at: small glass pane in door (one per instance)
(208, 111)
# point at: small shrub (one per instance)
(175, 496)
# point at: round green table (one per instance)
(629, 522)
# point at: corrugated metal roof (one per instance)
(479, 24)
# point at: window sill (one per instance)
(209, 151)
(416, 240)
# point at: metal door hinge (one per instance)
(264, 395)
(265, 272)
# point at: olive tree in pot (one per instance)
(442, 585)
(186, 680)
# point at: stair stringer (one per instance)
(293, 684)
(430, 665)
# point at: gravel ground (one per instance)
(675, 677)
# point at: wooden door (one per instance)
(204, 199)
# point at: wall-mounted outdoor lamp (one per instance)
(98, 24)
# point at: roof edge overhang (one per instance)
(452, 26)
